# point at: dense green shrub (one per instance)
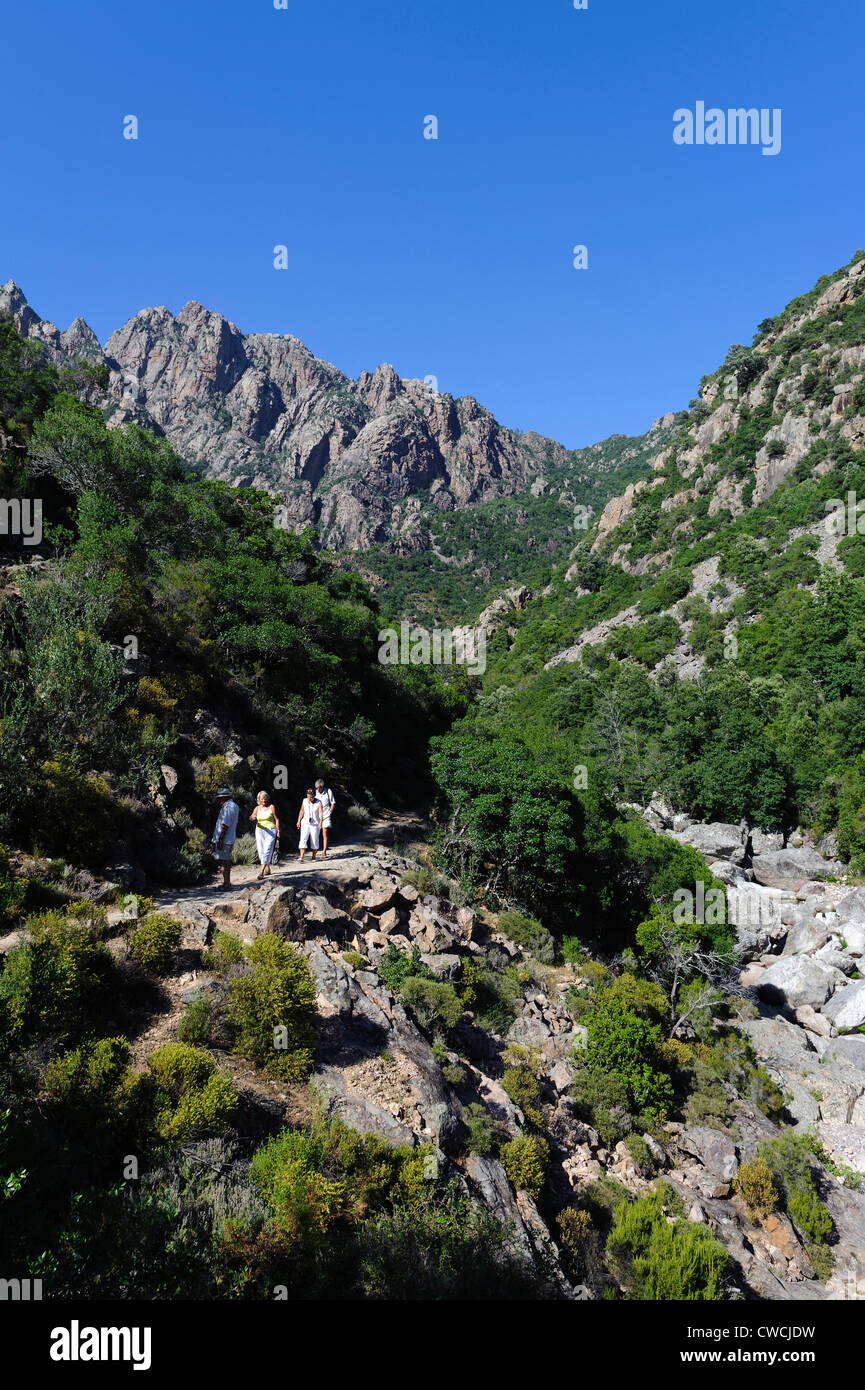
(789, 1158)
(154, 941)
(196, 1021)
(521, 1084)
(435, 1004)
(483, 1135)
(12, 892)
(395, 966)
(225, 951)
(60, 981)
(490, 995)
(271, 1009)
(658, 1260)
(528, 933)
(526, 1160)
(191, 1098)
(625, 1039)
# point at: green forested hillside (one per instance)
(742, 697)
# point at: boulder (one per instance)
(197, 924)
(389, 921)
(715, 1150)
(444, 967)
(380, 893)
(562, 1075)
(814, 1022)
(468, 923)
(276, 908)
(850, 1049)
(318, 912)
(846, 1008)
(850, 916)
(530, 1031)
(797, 980)
(360, 1022)
(716, 840)
(790, 868)
(807, 935)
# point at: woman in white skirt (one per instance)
(309, 823)
(266, 830)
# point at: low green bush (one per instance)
(526, 1160)
(12, 892)
(521, 1084)
(225, 951)
(483, 1135)
(196, 1021)
(789, 1158)
(190, 1098)
(396, 966)
(62, 980)
(642, 1155)
(573, 950)
(656, 1259)
(271, 1009)
(154, 941)
(244, 850)
(435, 1004)
(528, 933)
(755, 1184)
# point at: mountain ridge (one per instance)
(351, 457)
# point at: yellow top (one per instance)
(266, 817)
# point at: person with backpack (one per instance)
(309, 823)
(328, 805)
(266, 831)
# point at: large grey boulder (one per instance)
(846, 1008)
(716, 840)
(797, 980)
(850, 1049)
(850, 916)
(715, 1150)
(808, 934)
(790, 868)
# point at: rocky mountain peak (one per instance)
(261, 409)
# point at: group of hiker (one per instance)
(313, 822)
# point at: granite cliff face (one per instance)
(362, 460)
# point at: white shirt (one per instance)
(228, 814)
(309, 811)
(327, 800)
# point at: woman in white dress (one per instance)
(266, 830)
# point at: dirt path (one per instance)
(390, 833)
(157, 1021)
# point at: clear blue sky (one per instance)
(453, 257)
